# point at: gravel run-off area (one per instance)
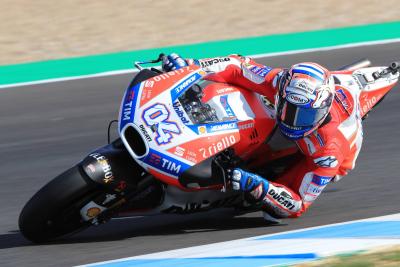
(44, 29)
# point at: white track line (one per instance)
(126, 71)
(100, 74)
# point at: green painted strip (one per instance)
(87, 65)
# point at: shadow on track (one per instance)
(12, 240)
(159, 225)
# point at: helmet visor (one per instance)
(294, 116)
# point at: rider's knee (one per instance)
(281, 202)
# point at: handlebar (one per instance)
(362, 63)
(393, 68)
(139, 63)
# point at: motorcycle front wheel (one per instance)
(54, 210)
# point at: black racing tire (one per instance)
(54, 210)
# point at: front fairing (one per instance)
(171, 141)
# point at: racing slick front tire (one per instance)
(55, 209)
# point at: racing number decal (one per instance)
(158, 115)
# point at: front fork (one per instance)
(108, 204)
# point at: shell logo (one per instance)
(202, 129)
(93, 212)
(202, 73)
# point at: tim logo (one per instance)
(167, 165)
(127, 107)
(131, 95)
(156, 116)
(155, 159)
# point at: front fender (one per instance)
(112, 167)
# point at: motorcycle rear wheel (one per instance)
(54, 210)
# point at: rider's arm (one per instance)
(243, 72)
(312, 175)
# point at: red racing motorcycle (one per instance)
(178, 134)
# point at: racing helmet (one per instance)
(305, 95)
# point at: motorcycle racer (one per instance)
(307, 112)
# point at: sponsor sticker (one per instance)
(315, 187)
(245, 126)
(182, 86)
(185, 84)
(225, 90)
(128, 106)
(326, 162)
(217, 146)
(149, 84)
(180, 112)
(202, 129)
(251, 76)
(105, 166)
(227, 107)
(165, 163)
(145, 133)
(179, 151)
(345, 100)
(210, 62)
(302, 84)
(283, 199)
(127, 111)
(166, 76)
(93, 212)
(320, 180)
(185, 152)
(297, 99)
(222, 127)
(260, 71)
(369, 103)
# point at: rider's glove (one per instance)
(249, 182)
(173, 62)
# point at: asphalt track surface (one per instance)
(44, 129)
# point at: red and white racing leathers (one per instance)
(328, 153)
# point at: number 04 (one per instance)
(158, 115)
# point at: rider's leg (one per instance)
(289, 196)
(278, 199)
